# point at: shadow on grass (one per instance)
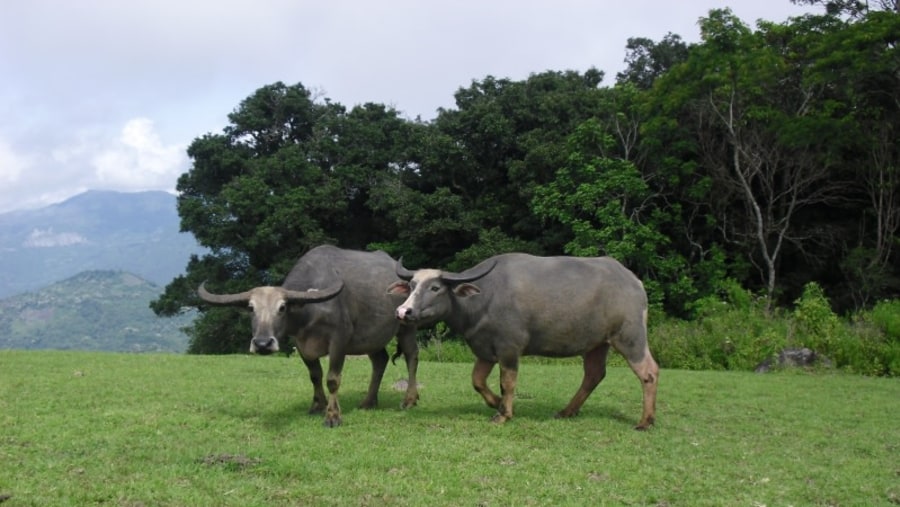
(529, 409)
(295, 413)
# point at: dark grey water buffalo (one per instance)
(546, 306)
(332, 303)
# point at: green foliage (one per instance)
(490, 242)
(287, 174)
(766, 155)
(886, 315)
(94, 310)
(731, 331)
(646, 60)
(437, 344)
(862, 350)
(608, 207)
(735, 331)
(817, 326)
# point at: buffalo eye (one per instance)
(435, 288)
(282, 307)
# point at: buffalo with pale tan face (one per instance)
(516, 304)
(271, 307)
(332, 304)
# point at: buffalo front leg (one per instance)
(479, 381)
(315, 376)
(406, 341)
(333, 409)
(379, 364)
(509, 374)
(594, 372)
(647, 372)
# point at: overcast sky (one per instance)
(107, 94)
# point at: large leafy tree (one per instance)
(610, 210)
(481, 163)
(289, 172)
(743, 94)
(857, 64)
(647, 60)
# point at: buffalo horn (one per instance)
(314, 295)
(403, 273)
(239, 299)
(470, 275)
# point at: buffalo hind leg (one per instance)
(379, 364)
(333, 410)
(406, 342)
(479, 381)
(315, 376)
(509, 374)
(647, 372)
(594, 372)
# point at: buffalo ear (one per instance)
(465, 290)
(400, 287)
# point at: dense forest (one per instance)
(763, 155)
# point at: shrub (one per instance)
(439, 345)
(731, 331)
(886, 315)
(865, 346)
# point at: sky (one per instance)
(107, 95)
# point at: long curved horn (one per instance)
(313, 295)
(240, 299)
(403, 273)
(470, 275)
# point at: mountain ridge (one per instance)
(96, 230)
(103, 310)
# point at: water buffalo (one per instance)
(331, 303)
(546, 306)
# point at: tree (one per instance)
(858, 65)
(756, 136)
(469, 193)
(287, 174)
(854, 9)
(647, 60)
(611, 210)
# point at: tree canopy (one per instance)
(765, 156)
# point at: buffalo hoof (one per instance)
(409, 403)
(316, 409)
(332, 422)
(644, 425)
(562, 414)
(368, 405)
(499, 419)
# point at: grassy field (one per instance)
(149, 430)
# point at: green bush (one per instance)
(886, 315)
(877, 344)
(864, 346)
(731, 331)
(438, 344)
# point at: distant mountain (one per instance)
(94, 310)
(96, 230)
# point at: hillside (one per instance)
(96, 230)
(94, 310)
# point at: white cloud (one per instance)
(45, 238)
(11, 164)
(138, 160)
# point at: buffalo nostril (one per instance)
(268, 344)
(403, 313)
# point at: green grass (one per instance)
(142, 430)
